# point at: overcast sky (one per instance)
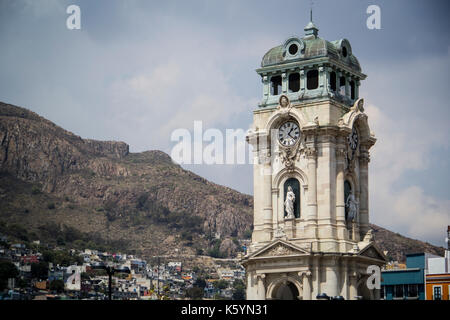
(137, 70)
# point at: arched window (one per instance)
(312, 79)
(294, 82)
(342, 86)
(352, 90)
(275, 85)
(295, 185)
(333, 80)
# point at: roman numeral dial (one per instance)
(288, 134)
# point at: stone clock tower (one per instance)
(311, 142)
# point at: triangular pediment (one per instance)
(372, 251)
(278, 248)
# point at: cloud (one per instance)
(409, 120)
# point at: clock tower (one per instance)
(311, 141)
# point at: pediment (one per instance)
(371, 251)
(279, 248)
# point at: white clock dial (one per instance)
(353, 139)
(288, 134)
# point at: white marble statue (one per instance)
(352, 206)
(289, 203)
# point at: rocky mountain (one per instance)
(60, 187)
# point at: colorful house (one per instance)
(437, 278)
(406, 284)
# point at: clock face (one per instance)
(288, 134)
(353, 139)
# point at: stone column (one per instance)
(302, 82)
(353, 289)
(266, 88)
(284, 85)
(252, 288)
(323, 79)
(316, 277)
(357, 83)
(364, 191)
(306, 284)
(338, 81)
(340, 196)
(261, 295)
(347, 87)
(326, 183)
(345, 280)
(311, 219)
(332, 278)
(267, 201)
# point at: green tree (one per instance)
(39, 270)
(221, 284)
(194, 293)
(57, 285)
(201, 283)
(238, 290)
(7, 270)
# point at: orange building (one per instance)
(437, 276)
(437, 286)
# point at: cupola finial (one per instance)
(311, 28)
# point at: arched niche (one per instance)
(281, 180)
(284, 288)
(295, 185)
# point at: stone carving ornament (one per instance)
(279, 250)
(289, 203)
(352, 206)
(284, 104)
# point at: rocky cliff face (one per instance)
(142, 200)
(34, 149)
(120, 187)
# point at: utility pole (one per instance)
(158, 277)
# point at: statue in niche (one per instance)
(289, 203)
(352, 206)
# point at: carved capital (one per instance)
(341, 153)
(306, 274)
(364, 158)
(311, 153)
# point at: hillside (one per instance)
(57, 186)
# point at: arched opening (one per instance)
(312, 79)
(294, 82)
(275, 85)
(295, 186)
(342, 86)
(333, 80)
(286, 290)
(352, 90)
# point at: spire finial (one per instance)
(311, 28)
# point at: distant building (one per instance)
(437, 278)
(406, 284)
(225, 274)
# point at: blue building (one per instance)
(406, 284)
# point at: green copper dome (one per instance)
(312, 47)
